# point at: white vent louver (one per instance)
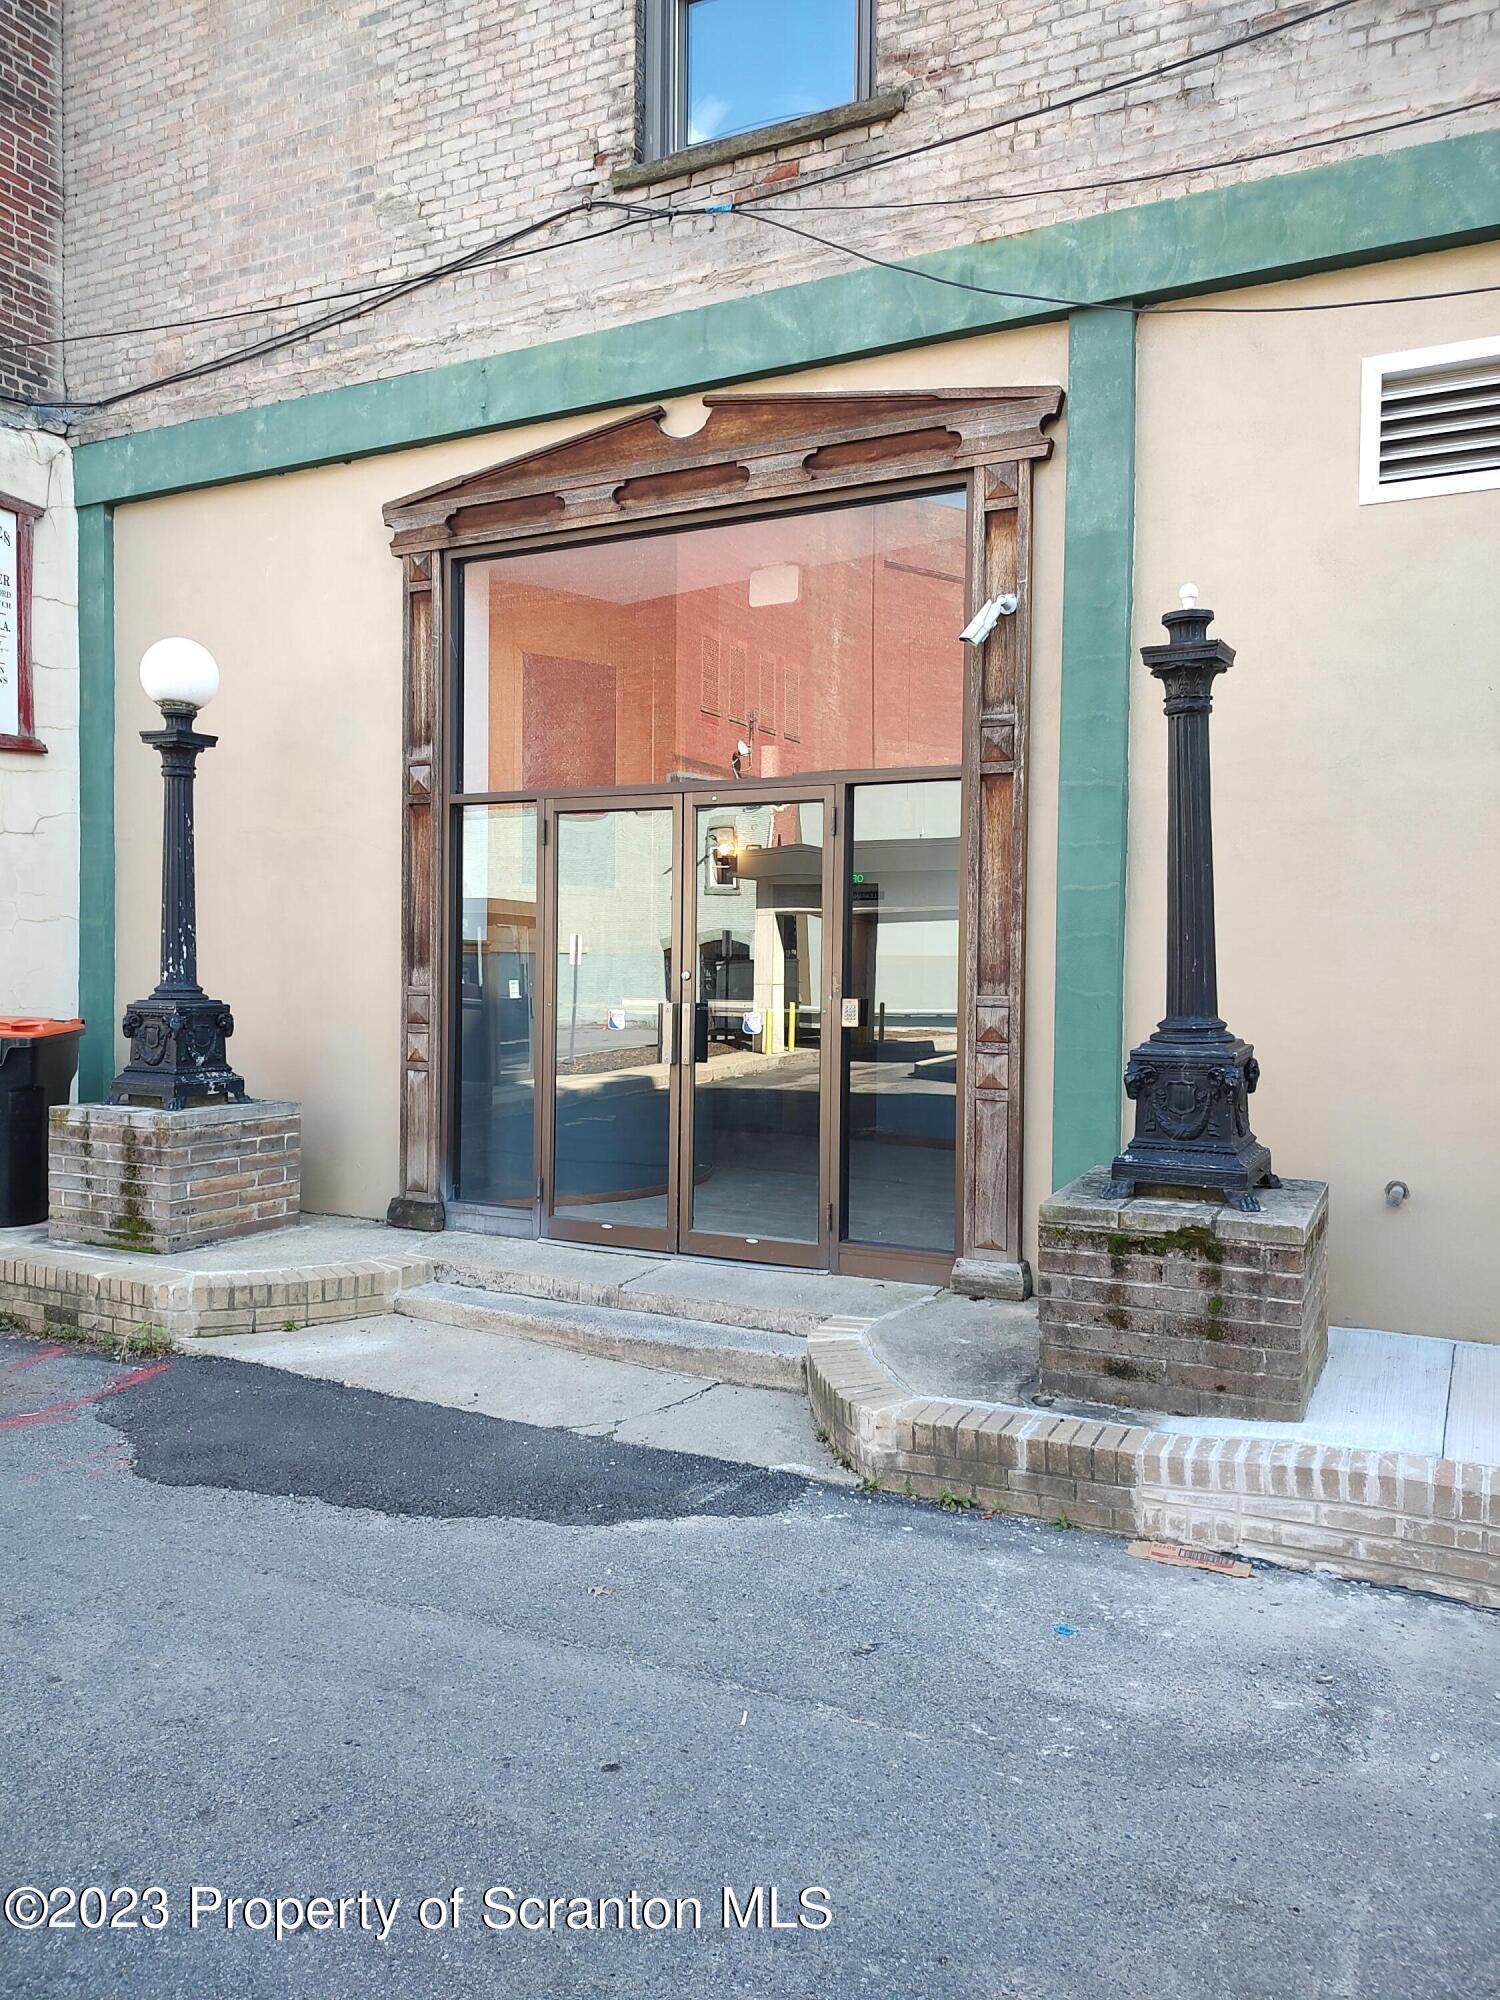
(1431, 422)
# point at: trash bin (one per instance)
(38, 1061)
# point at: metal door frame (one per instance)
(573, 1229)
(817, 1252)
(830, 1250)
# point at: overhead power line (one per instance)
(327, 322)
(1182, 171)
(499, 249)
(486, 255)
(496, 250)
(1039, 111)
(1053, 105)
(1047, 299)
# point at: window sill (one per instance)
(764, 139)
(32, 746)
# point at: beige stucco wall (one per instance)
(1357, 771)
(39, 795)
(290, 583)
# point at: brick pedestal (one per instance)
(140, 1179)
(1184, 1306)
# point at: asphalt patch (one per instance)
(244, 1428)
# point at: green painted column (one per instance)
(1094, 743)
(96, 799)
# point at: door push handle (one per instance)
(666, 1031)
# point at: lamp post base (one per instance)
(1183, 1306)
(152, 1182)
(177, 1055)
(1191, 1085)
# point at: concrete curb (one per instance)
(1421, 1523)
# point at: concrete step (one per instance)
(750, 1355)
(761, 1297)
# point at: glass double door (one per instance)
(688, 1042)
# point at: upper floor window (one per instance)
(17, 520)
(717, 68)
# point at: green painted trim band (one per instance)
(1354, 211)
(1093, 744)
(96, 800)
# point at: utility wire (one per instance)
(218, 318)
(326, 322)
(1330, 305)
(1153, 173)
(1033, 112)
(496, 251)
(1017, 118)
(1036, 298)
(486, 256)
(489, 251)
(830, 208)
(867, 256)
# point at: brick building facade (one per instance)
(31, 196)
(1180, 236)
(221, 158)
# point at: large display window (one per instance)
(823, 641)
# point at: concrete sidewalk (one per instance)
(1394, 1475)
(1378, 1391)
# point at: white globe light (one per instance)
(180, 670)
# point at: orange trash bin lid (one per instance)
(33, 1027)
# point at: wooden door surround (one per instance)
(755, 453)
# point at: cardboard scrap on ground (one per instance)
(1189, 1558)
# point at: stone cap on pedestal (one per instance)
(1288, 1215)
(222, 1111)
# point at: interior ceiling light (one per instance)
(777, 583)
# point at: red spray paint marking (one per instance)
(30, 1360)
(59, 1412)
(98, 1465)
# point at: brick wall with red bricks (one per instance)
(31, 196)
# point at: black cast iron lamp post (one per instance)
(1192, 1080)
(177, 1056)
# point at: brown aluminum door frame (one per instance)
(572, 1229)
(852, 1256)
(817, 1253)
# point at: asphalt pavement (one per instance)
(271, 1637)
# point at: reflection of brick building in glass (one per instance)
(823, 641)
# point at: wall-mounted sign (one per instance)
(17, 519)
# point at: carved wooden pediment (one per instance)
(752, 447)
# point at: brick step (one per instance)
(753, 1356)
